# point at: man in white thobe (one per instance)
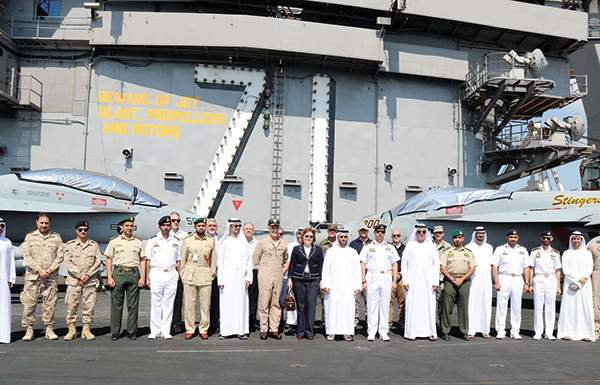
(7, 280)
(234, 276)
(177, 323)
(420, 275)
(291, 316)
(545, 269)
(341, 281)
(510, 267)
(480, 296)
(379, 270)
(163, 259)
(576, 320)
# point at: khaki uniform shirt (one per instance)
(457, 261)
(593, 248)
(125, 252)
(82, 258)
(441, 248)
(198, 260)
(270, 257)
(42, 252)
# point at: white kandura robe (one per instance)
(342, 275)
(576, 318)
(7, 275)
(234, 268)
(420, 270)
(480, 293)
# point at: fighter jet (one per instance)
(73, 195)
(530, 212)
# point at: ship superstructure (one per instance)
(311, 111)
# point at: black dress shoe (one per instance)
(114, 337)
(263, 336)
(445, 337)
(132, 336)
(466, 337)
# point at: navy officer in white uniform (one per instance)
(162, 261)
(510, 268)
(379, 262)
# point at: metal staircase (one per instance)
(278, 115)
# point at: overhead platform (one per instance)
(499, 90)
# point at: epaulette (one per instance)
(118, 235)
(535, 248)
(469, 250)
(175, 236)
(72, 241)
(93, 242)
(154, 236)
(191, 235)
(140, 239)
(553, 249)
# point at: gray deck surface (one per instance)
(288, 361)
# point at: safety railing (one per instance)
(42, 27)
(490, 67)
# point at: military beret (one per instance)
(456, 233)
(380, 226)
(164, 220)
(512, 232)
(332, 226)
(127, 219)
(82, 224)
(546, 233)
(200, 220)
(273, 222)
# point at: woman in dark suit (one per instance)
(306, 265)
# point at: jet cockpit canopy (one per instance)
(91, 182)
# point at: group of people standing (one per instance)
(427, 277)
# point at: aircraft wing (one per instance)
(543, 215)
(51, 207)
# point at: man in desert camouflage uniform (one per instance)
(82, 258)
(43, 252)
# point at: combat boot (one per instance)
(72, 334)
(50, 333)
(86, 334)
(28, 334)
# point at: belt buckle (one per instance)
(165, 270)
(546, 275)
(382, 271)
(513, 275)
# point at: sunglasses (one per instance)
(82, 230)
(546, 238)
(379, 231)
(308, 236)
(421, 231)
(395, 235)
(343, 236)
(176, 220)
